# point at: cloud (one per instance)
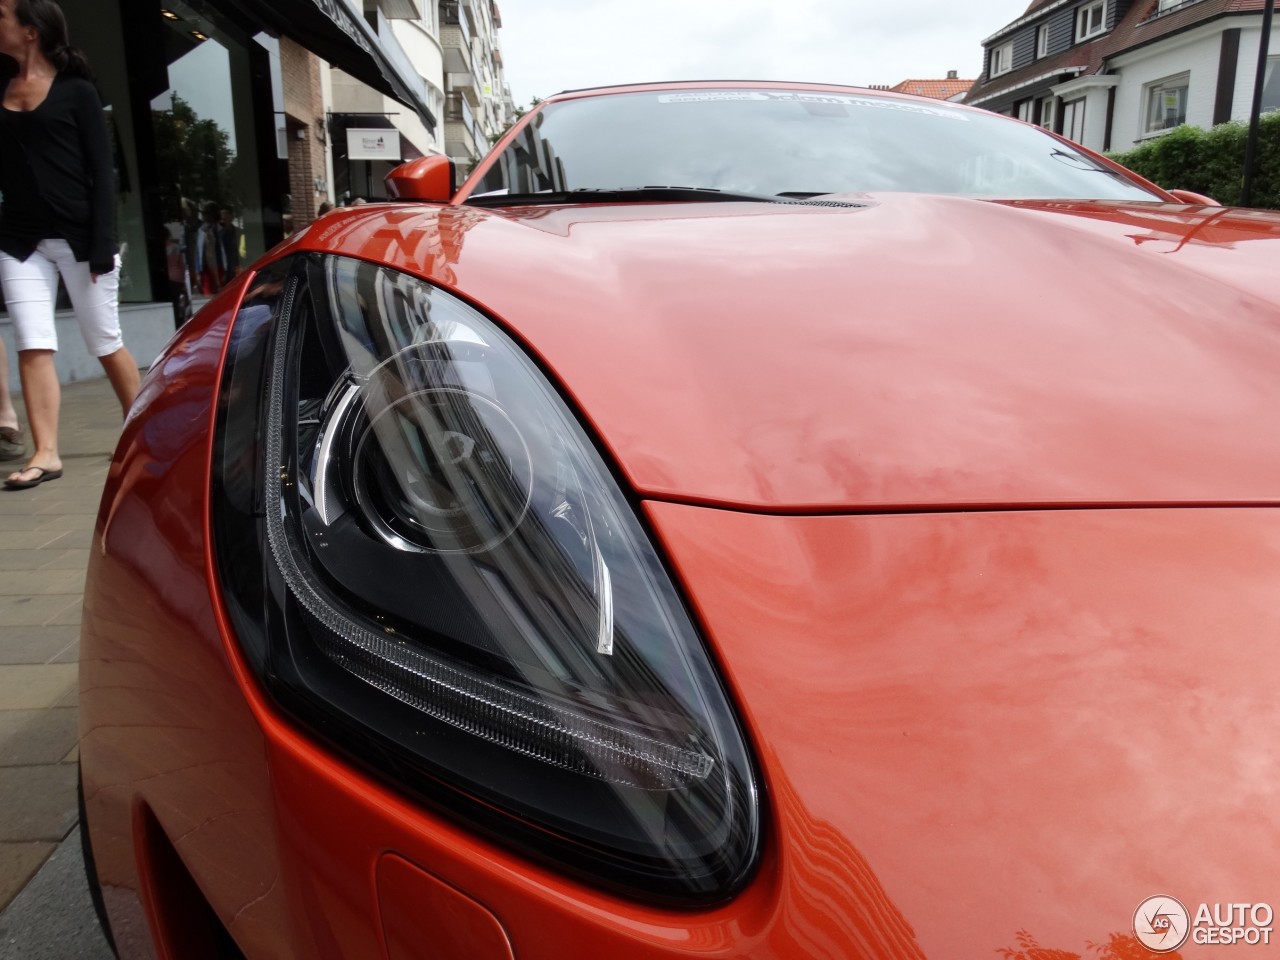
(582, 43)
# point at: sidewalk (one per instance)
(45, 535)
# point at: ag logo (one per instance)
(1161, 924)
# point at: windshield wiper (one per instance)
(1084, 164)
(656, 194)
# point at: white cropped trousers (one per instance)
(31, 290)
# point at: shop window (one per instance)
(207, 151)
(98, 27)
(1166, 104)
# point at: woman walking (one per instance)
(58, 218)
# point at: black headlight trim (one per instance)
(441, 689)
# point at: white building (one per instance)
(478, 103)
(453, 50)
(1110, 74)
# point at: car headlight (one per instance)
(448, 584)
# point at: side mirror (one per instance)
(1190, 196)
(432, 179)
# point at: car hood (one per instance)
(892, 351)
(997, 733)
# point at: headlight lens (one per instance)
(452, 586)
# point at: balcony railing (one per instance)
(456, 38)
(454, 14)
(457, 110)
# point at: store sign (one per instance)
(373, 144)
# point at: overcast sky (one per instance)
(554, 45)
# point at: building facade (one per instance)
(478, 104)
(1110, 74)
(454, 49)
(242, 111)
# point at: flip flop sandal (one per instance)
(43, 475)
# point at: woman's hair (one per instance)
(51, 27)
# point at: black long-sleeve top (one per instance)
(56, 174)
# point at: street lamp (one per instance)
(1251, 142)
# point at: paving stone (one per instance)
(71, 615)
(45, 538)
(38, 644)
(53, 918)
(39, 803)
(38, 611)
(77, 539)
(18, 560)
(12, 559)
(25, 521)
(41, 582)
(83, 507)
(36, 497)
(33, 611)
(78, 499)
(30, 737)
(72, 697)
(18, 864)
(77, 559)
(35, 539)
(71, 652)
(70, 522)
(25, 687)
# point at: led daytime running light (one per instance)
(454, 695)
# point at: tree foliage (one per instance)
(1212, 161)
(519, 113)
(195, 160)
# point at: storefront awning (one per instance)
(332, 31)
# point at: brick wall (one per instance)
(306, 136)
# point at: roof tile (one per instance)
(937, 89)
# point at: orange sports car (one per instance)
(741, 520)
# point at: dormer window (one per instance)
(1091, 20)
(1170, 6)
(1042, 40)
(1001, 59)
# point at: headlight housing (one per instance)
(448, 584)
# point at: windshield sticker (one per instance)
(873, 103)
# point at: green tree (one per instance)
(520, 112)
(194, 158)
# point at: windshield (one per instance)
(800, 143)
